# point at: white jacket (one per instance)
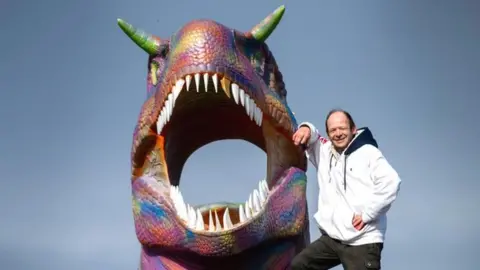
(358, 181)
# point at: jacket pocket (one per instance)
(373, 256)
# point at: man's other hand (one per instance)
(358, 222)
(301, 136)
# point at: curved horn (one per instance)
(263, 30)
(149, 43)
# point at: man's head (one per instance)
(340, 128)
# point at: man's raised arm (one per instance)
(308, 135)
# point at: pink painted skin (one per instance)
(207, 83)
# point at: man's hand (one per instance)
(358, 222)
(301, 136)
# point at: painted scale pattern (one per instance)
(243, 58)
(278, 257)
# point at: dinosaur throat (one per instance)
(203, 108)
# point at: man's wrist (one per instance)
(305, 125)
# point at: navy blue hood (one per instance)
(365, 137)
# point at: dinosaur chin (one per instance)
(204, 108)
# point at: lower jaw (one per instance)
(157, 226)
(273, 254)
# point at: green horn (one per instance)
(147, 42)
(263, 30)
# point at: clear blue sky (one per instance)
(72, 85)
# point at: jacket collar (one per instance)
(363, 137)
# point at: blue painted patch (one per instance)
(150, 208)
(287, 216)
(190, 235)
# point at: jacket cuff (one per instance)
(366, 218)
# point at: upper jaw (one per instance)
(252, 101)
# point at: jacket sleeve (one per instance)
(386, 184)
(314, 144)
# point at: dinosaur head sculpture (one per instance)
(208, 82)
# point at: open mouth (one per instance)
(203, 108)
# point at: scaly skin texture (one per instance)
(275, 234)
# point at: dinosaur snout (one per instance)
(204, 44)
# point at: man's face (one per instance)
(339, 130)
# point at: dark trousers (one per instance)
(326, 253)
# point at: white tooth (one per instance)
(164, 114)
(241, 213)
(188, 79)
(252, 108)
(211, 226)
(261, 190)
(256, 115)
(215, 82)
(192, 216)
(261, 186)
(235, 92)
(247, 104)
(169, 108)
(260, 117)
(227, 222)
(192, 219)
(199, 225)
(171, 101)
(187, 219)
(173, 197)
(181, 205)
(177, 89)
(256, 201)
(263, 195)
(160, 119)
(181, 211)
(159, 126)
(205, 81)
(197, 81)
(250, 203)
(218, 226)
(184, 212)
(242, 97)
(265, 185)
(248, 214)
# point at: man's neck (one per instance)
(339, 150)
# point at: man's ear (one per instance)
(354, 130)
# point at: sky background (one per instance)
(72, 85)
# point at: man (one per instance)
(357, 187)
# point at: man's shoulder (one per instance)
(363, 143)
(367, 151)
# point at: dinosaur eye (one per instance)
(153, 72)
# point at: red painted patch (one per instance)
(322, 139)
